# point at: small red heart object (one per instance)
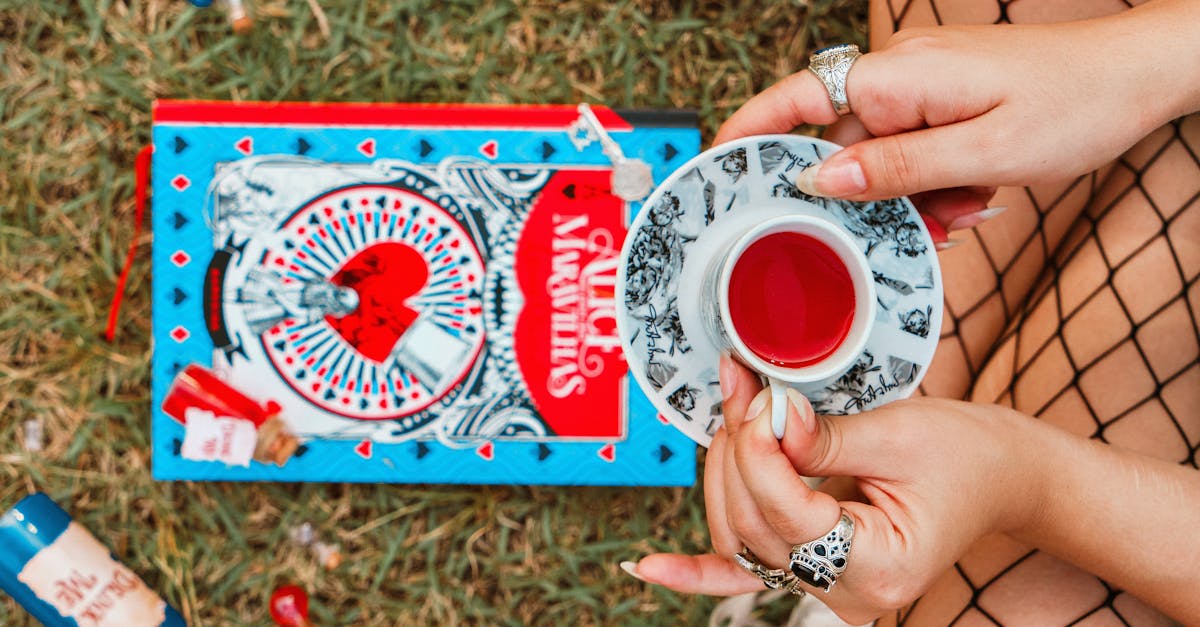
(384, 276)
(289, 606)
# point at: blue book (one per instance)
(400, 293)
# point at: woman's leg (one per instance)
(1081, 306)
(1107, 348)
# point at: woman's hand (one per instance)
(971, 108)
(937, 475)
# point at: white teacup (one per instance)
(725, 334)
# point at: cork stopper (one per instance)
(275, 444)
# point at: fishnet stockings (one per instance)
(1080, 305)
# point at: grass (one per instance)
(76, 83)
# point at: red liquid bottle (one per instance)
(196, 387)
(791, 299)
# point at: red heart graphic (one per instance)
(490, 149)
(384, 276)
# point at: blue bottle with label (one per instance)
(64, 577)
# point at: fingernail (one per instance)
(727, 376)
(947, 245)
(758, 404)
(779, 411)
(975, 219)
(807, 418)
(840, 178)
(631, 568)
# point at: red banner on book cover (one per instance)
(567, 343)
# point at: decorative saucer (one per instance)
(706, 204)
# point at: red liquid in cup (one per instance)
(791, 299)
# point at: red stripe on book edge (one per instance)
(375, 115)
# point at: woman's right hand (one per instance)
(935, 476)
(971, 108)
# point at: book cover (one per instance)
(414, 293)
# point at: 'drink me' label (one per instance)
(211, 438)
(79, 578)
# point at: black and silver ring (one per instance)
(820, 562)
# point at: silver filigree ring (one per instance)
(773, 578)
(820, 562)
(832, 65)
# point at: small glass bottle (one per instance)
(64, 577)
(197, 388)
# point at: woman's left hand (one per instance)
(937, 475)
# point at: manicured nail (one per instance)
(807, 418)
(631, 568)
(975, 219)
(948, 244)
(779, 412)
(840, 178)
(727, 375)
(758, 404)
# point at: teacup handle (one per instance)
(779, 403)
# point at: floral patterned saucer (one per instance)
(705, 205)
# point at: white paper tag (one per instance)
(430, 351)
(79, 578)
(211, 439)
